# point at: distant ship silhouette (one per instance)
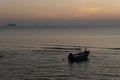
(11, 24)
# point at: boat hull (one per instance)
(79, 56)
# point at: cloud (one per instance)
(90, 10)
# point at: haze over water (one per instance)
(100, 36)
(48, 30)
(26, 58)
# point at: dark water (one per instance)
(24, 56)
(53, 65)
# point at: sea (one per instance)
(39, 52)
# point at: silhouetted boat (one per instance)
(11, 24)
(79, 56)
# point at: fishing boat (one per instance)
(79, 56)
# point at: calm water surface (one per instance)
(24, 57)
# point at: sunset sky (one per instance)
(47, 10)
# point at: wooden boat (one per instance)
(79, 56)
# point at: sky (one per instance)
(59, 11)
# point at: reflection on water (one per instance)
(49, 65)
(31, 37)
(27, 55)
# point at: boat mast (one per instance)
(79, 49)
(85, 48)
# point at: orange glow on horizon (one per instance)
(62, 9)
